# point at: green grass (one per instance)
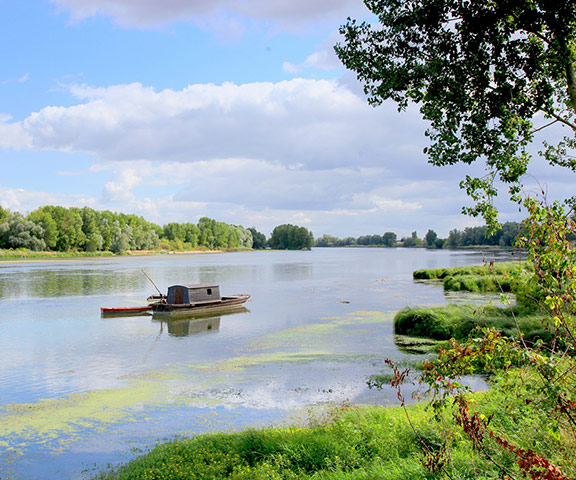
(500, 278)
(24, 253)
(357, 443)
(352, 443)
(479, 283)
(459, 321)
(499, 268)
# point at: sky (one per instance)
(237, 110)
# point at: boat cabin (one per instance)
(186, 294)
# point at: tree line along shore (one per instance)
(55, 231)
(469, 237)
(59, 231)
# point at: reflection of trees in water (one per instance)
(293, 271)
(56, 283)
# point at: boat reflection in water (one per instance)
(183, 325)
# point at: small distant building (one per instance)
(186, 294)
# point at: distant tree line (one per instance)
(470, 236)
(60, 229)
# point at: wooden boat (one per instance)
(186, 299)
(223, 304)
(110, 311)
(197, 298)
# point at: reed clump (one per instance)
(498, 268)
(460, 321)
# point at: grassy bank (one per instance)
(459, 321)
(499, 268)
(24, 254)
(498, 278)
(29, 254)
(359, 443)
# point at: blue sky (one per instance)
(236, 110)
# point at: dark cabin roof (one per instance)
(196, 285)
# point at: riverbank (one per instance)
(45, 255)
(356, 443)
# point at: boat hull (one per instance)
(118, 311)
(224, 304)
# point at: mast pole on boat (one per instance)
(152, 282)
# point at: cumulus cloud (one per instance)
(13, 135)
(299, 151)
(24, 201)
(313, 124)
(293, 151)
(120, 189)
(145, 13)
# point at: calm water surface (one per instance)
(78, 391)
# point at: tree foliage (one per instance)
(17, 232)
(430, 238)
(486, 74)
(469, 237)
(56, 228)
(291, 237)
(389, 239)
(258, 239)
(3, 213)
(411, 241)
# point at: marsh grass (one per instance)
(479, 283)
(499, 268)
(417, 345)
(500, 278)
(347, 443)
(459, 321)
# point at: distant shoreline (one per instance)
(22, 256)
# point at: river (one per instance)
(79, 391)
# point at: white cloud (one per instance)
(145, 13)
(13, 135)
(318, 124)
(25, 201)
(22, 79)
(120, 190)
(323, 58)
(299, 151)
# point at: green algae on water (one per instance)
(50, 419)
